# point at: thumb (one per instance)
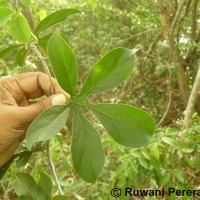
(33, 110)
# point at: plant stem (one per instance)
(52, 167)
(42, 59)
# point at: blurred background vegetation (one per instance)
(166, 35)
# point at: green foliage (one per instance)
(63, 62)
(23, 158)
(43, 41)
(21, 56)
(87, 151)
(32, 190)
(108, 73)
(7, 50)
(54, 18)
(43, 130)
(5, 15)
(172, 157)
(19, 28)
(125, 123)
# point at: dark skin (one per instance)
(17, 111)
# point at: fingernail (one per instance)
(68, 96)
(59, 99)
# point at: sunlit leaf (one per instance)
(19, 28)
(87, 151)
(47, 124)
(5, 15)
(54, 18)
(43, 41)
(63, 62)
(109, 72)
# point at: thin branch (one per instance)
(180, 8)
(53, 169)
(194, 19)
(42, 59)
(192, 101)
(141, 33)
(170, 99)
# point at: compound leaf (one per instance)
(5, 15)
(54, 18)
(127, 125)
(87, 151)
(47, 124)
(63, 62)
(109, 71)
(19, 28)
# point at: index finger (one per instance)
(37, 84)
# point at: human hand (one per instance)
(16, 110)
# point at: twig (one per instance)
(192, 101)
(177, 16)
(52, 167)
(194, 19)
(42, 59)
(170, 99)
(141, 33)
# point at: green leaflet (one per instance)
(127, 125)
(21, 56)
(5, 15)
(28, 189)
(25, 185)
(54, 18)
(109, 71)
(19, 28)
(44, 187)
(87, 151)
(7, 50)
(63, 62)
(5, 167)
(23, 158)
(43, 41)
(47, 124)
